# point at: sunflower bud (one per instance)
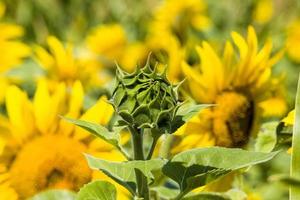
(145, 99)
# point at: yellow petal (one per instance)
(63, 57)
(57, 49)
(76, 99)
(252, 39)
(19, 110)
(75, 102)
(273, 107)
(240, 43)
(42, 108)
(10, 31)
(196, 82)
(214, 65)
(43, 57)
(46, 107)
(12, 53)
(289, 120)
(8, 193)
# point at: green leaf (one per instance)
(197, 167)
(207, 196)
(55, 195)
(267, 137)
(97, 190)
(124, 172)
(112, 137)
(189, 109)
(185, 112)
(295, 160)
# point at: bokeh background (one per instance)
(73, 20)
(125, 31)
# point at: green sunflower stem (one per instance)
(295, 161)
(152, 148)
(138, 153)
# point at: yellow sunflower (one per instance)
(110, 44)
(12, 50)
(39, 151)
(168, 29)
(173, 18)
(169, 54)
(238, 85)
(62, 63)
(107, 42)
(134, 54)
(263, 11)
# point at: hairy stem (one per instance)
(138, 153)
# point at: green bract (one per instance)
(145, 99)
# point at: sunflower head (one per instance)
(239, 82)
(145, 99)
(52, 161)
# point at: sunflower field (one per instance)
(149, 100)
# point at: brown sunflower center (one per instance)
(50, 161)
(232, 119)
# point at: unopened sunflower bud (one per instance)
(145, 99)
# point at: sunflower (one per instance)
(62, 64)
(263, 11)
(110, 43)
(237, 85)
(134, 54)
(173, 18)
(168, 53)
(107, 42)
(168, 32)
(39, 151)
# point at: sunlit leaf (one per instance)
(189, 110)
(198, 167)
(97, 190)
(266, 139)
(112, 137)
(55, 195)
(125, 172)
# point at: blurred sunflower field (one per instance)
(149, 100)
